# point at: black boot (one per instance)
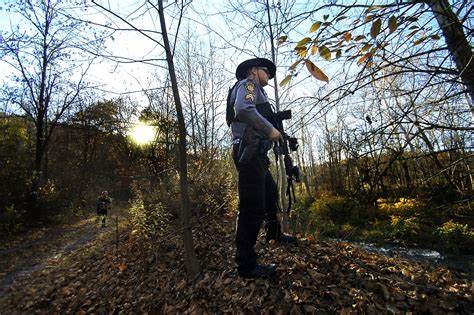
(273, 232)
(260, 271)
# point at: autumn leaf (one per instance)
(303, 42)
(366, 47)
(359, 37)
(325, 52)
(347, 36)
(282, 39)
(122, 267)
(315, 27)
(435, 37)
(314, 50)
(364, 57)
(315, 71)
(419, 41)
(302, 52)
(375, 29)
(286, 80)
(293, 66)
(392, 24)
(338, 53)
(368, 18)
(372, 8)
(412, 33)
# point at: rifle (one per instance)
(284, 146)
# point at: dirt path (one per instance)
(43, 247)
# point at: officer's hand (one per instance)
(275, 135)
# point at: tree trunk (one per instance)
(280, 166)
(191, 262)
(456, 41)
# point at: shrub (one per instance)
(405, 229)
(404, 207)
(301, 218)
(340, 210)
(149, 218)
(211, 186)
(456, 236)
(11, 221)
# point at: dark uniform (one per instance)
(258, 192)
(103, 205)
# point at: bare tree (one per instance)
(191, 261)
(48, 69)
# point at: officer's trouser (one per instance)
(258, 197)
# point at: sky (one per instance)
(207, 22)
(203, 17)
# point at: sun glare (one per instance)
(142, 134)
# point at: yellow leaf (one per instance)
(325, 52)
(366, 47)
(375, 29)
(315, 27)
(315, 71)
(293, 66)
(303, 42)
(302, 53)
(285, 80)
(392, 24)
(314, 50)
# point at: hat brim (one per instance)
(241, 72)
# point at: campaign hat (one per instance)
(242, 69)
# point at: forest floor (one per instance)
(80, 268)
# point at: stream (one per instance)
(460, 262)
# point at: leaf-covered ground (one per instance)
(316, 277)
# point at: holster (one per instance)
(251, 145)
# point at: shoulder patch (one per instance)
(250, 91)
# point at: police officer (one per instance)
(103, 205)
(249, 114)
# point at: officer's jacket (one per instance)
(245, 97)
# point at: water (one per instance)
(464, 263)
